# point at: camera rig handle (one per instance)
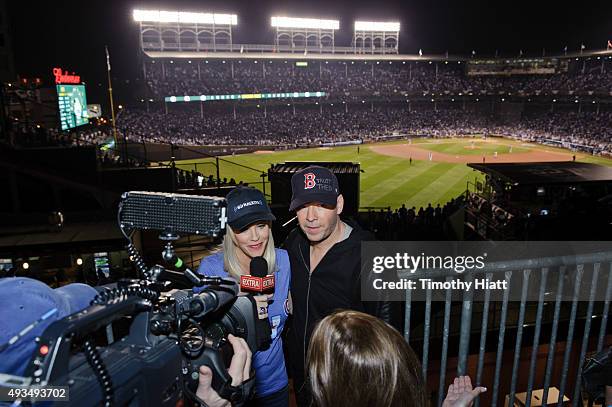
(51, 362)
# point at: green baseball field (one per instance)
(415, 172)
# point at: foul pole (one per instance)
(110, 94)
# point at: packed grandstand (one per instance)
(349, 79)
(587, 131)
(564, 101)
(371, 101)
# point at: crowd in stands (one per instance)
(350, 120)
(110, 159)
(32, 136)
(195, 179)
(589, 131)
(277, 127)
(347, 83)
(356, 78)
(586, 131)
(484, 213)
(401, 224)
(22, 134)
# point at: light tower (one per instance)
(184, 31)
(304, 34)
(376, 37)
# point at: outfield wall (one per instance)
(164, 152)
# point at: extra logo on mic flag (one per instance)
(257, 283)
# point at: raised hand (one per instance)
(461, 394)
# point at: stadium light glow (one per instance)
(313, 23)
(168, 17)
(160, 16)
(377, 26)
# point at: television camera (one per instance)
(172, 332)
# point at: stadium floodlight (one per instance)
(311, 23)
(160, 16)
(208, 18)
(377, 26)
(145, 15)
(168, 17)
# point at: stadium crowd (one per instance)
(402, 224)
(587, 131)
(357, 78)
(32, 135)
(347, 83)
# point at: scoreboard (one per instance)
(72, 103)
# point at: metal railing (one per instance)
(197, 45)
(532, 271)
(261, 173)
(263, 48)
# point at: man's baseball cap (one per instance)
(246, 206)
(25, 302)
(314, 184)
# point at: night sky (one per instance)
(72, 34)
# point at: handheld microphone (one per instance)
(258, 281)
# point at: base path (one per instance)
(416, 153)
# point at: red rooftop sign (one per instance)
(65, 77)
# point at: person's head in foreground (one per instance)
(358, 360)
(317, 201)
(27, 308)
(355, 359)
(249, 233)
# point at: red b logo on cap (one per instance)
(309, 181)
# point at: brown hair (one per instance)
(355, 360)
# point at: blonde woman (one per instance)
(249, 235)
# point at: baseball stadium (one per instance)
(441, 212)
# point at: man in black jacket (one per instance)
(325, 257)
